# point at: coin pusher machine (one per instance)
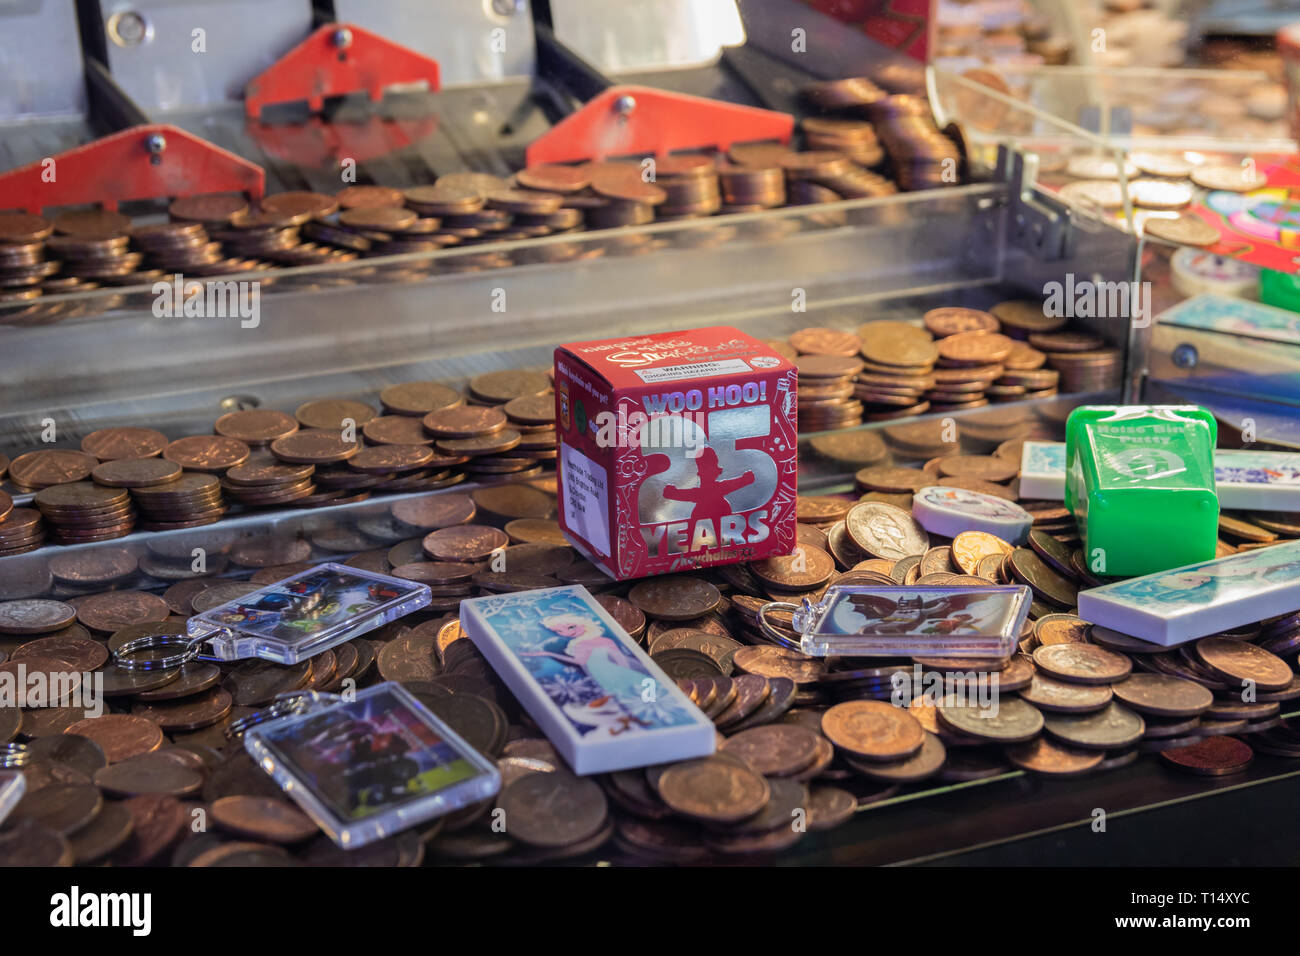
(141, 102)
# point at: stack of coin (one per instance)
(23, 265)
(21, 529)
(892, 480)
(855, 449)
(193, 499)
(478, 434)
(282, 218)
(100, 259)
(857, 183)
(855, 138)
(825, 387)
(830, 355)
(924, 440)
(618, 196)
(951, 320)
(607, 213)
(184, 244)
(338, 484)
(828, 175)
(898, 369)
(529, 225)
(970, 362)
(1084, 362)
(1019, 318)
(264, 480)
(749, 188)
(375, 224)
(533, 416)
(446, 198)
(403, 467)
(498, 388)
(211, 210)
(175, 246)
(1023, 376)
(496, 217)
(50, 466)
(920, 156)
(81, 511)
(327, 439)
(691, 183)
(257, 236)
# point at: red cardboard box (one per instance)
(676, 450)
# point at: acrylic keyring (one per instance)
(12, 787)
(185, 649)
(864, 620)
(306, 613)
(368, 765)
(13, 755)
(282, 705)
(770, 630)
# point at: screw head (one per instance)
(155, 143)
(1185, 356)
(342, 38)
(625, 104)
(239, 403)
(128, 28)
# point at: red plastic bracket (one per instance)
(336, 60)
(640, 120)
(154, 161)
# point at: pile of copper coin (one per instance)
(329, 451)
(855, 138)
(225, 234)
(1076, 698)
(958, 358)
(431, 436)
(920, 156)
(752, 188)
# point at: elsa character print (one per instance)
(1203, 584)
(596, 655)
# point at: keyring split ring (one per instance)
(150, 642)
(283, 705)
(770, 631)
(13, 755)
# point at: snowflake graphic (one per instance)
(570, 686)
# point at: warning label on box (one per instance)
(698, 370)
(586, 497)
